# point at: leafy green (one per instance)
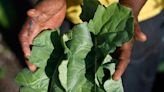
(37, 80)
(79, 61)
(93, 74)
(112, 26)
(79, 45)
(45, 53)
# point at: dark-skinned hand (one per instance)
(126, 49)
(48, 14)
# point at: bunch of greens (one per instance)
(79, 60)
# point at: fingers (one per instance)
(35, 30)
(40, 18)
(125, 51)
(25, 43)
(23, 36)
(31, 66)
(124, 60)
(33, 13)
(139, 35)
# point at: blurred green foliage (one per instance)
(161, 67)
(7, 14)
(3, 18)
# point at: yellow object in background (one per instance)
(74, 10)
(151, 9)
(107, 2)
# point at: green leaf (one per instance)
(80, 45)
(26, 89)
(46, 52)
(37, 80)
(112, 18)
(112, 26)
(74, 72)
(110, 85)
(43, 47)
(113, 86)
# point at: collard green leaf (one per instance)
(46, 52)
(43, 47)
(112, 18)
(113, 86)
(109, 84)
(79, 45)
(36, 81)
(26, 89)
(112, 26)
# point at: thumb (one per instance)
(139, 35)
(31, 66)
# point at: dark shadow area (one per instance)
(158, 83)
(16, 14)
(54, 61)
(11, 58)
(56, 56)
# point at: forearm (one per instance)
(135, 5)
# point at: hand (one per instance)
(45, 15)
(125, 50)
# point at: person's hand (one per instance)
(48, 14)
(125, 50)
